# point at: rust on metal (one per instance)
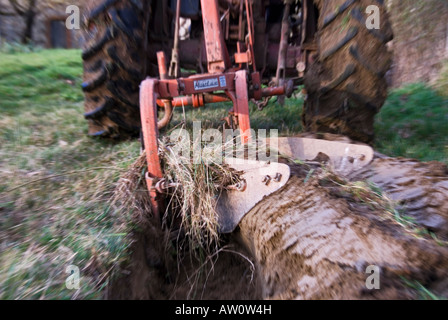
(241, 109)
(241, 186)
(161, 62)
(148, 111)
(167, 115)
(217, 56)
(194, 100)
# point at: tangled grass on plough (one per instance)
(195, 186)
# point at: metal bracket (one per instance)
(233, 205)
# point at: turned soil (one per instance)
(313, 239)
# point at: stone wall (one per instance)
(421, 39)
(11, 27)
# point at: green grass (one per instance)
(286, 119)
(421, 291)
(414, 123)
(55, 181)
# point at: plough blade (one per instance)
(342, 157)
(261, 178)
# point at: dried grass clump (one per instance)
(197, 186)
(191, 199)
(130, 199)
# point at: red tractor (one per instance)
(281, 44)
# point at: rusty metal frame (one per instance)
(221, 83)
(148, 111)
(218, 59)
(241, 107)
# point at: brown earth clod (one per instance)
(314, 240)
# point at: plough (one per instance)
(236, 82)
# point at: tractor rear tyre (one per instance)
(346, 84)
(114, 65)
